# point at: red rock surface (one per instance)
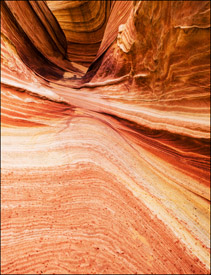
(106, 171)
(83, 23)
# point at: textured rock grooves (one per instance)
(105, 171)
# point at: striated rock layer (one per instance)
(83, 23)
(105, 171)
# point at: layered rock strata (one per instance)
(83, 23)
(108, 173)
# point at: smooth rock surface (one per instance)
(105, 171)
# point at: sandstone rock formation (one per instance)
(105, 137)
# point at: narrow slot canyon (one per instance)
(105, 137)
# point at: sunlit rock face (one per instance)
(105, 171)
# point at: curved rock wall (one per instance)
(37, 37)
(83, 23)
(108, 173)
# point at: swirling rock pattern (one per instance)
(108, 173)
(83, 23)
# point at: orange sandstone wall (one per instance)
(108, 173)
